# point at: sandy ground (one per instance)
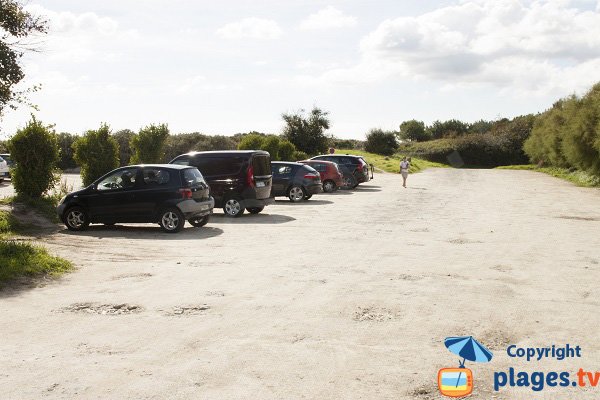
(348, 296)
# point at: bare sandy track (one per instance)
(348, 296)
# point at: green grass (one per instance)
(579, 178)
(392, 163)
(19, 259)
(22, 259)
(44, 205)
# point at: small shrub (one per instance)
(271, 144)
(381, 142)
(299, 155)
(251, 141)
(36, 154)
(286, 150)
(97, 153)
(148, 146)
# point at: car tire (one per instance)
(199, 222)
(308, 196)
(76, 219)
(296, 193)
(171, 220)
(350, 182)
(233, 207)
(254, 210)
(329, 186)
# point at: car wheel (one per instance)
(76, 219)
(307, 197)
(329, 186)
(199, 222)
(171, 220)
(255, 210)
(350, 182)
(233, 207)
(296, 194)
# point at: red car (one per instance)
(331, 176)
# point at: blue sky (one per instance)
(235, 66)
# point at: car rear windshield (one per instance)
(192, 177)
(261, 165)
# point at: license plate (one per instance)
(260, 184)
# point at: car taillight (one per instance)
(311, 176)
(186, 193)
(250, 176)
(360, 167)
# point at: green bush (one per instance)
(414, 131)
(307, 132)
(148, 146)
(502, 145)
(381, 142)
(65, 143)
(299, 156)
(568, 134)
(123, 138)
(271, 144)
(97, 153)
(35, 152)
(286, 150)
(251, 141)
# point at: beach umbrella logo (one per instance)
(458, 382)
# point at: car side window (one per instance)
(320, 167)
(121, 179)
(156, 177)
(282, 170)
(182, 161)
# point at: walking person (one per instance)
(404, 166)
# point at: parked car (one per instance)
(354, 168)
(239, 180)
(331, 176)
(164, 194)
(294, 180)
(4, 170)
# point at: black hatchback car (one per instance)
(161, 193)
(354, 168)
(294, 180)
(239, 179)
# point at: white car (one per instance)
(4, 172)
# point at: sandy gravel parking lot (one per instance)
(348, 296)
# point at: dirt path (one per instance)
(348, 296)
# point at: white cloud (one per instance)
(328, 18)
(532, 46)
(253, 28)
(68, 22)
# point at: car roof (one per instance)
(317, 161)
(169, 166)
(285, 163)
(229, 152)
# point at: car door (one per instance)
(157, 185)
(114, 198)
(282, 176)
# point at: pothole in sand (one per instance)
(578, 218)
(141, 275)
(187, 310)
(103, 309)
(374, 314)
